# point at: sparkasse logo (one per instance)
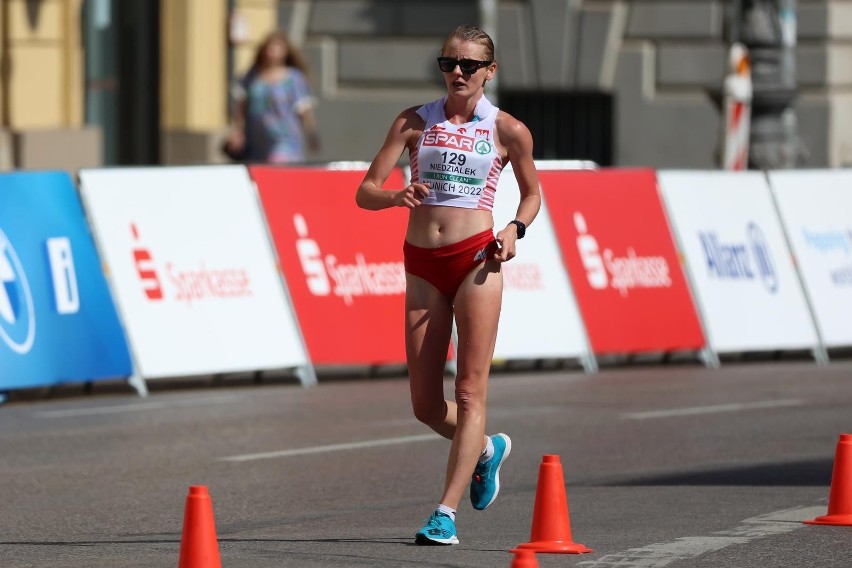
(624, 273)
(350, 279)
(191, 284)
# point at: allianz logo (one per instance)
(17, 308)
(750, 259)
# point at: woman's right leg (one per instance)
(428, 330)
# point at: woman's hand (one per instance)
(236, 140)
(411, 196)
(314, 144)
(506, 240)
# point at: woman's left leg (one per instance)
(477, 306)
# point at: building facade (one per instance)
(623, 82)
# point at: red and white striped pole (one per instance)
(737, 94)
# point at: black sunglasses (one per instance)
(468, 66)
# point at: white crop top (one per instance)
(459, 161)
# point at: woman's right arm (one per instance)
(370, 195)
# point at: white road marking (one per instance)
(689, 547)
(137, 407)
(333, 448)
(715, 409)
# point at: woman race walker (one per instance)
(457, 146)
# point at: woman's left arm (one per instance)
(516, 139)
(305, 102)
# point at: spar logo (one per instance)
(482, 147)
(750, 259)
(17, 312)
(350, 280)
(449, 140)
(187, 284)
(605, 269)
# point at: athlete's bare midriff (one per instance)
(431, 226)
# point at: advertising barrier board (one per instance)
(738, 261)
(343, 264)
(816, 209)
(617, 245)
(539, 317)
(193, 270)
(58, 322)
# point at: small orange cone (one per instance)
(840, 494)
(551, 529)
(524, 559)
(198, 545)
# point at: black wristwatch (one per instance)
(522, 229)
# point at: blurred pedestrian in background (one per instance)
(273, 120)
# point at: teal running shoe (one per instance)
(485, 484)
(439, 529)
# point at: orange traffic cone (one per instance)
(198, 545)
(840, 494)
(524, 559)
(551, 529)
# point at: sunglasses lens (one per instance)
(447, 64)
(468, 65)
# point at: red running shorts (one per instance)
(446, 267)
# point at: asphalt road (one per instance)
(664, 465)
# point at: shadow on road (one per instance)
(803, 473)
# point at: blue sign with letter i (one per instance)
(58, 321)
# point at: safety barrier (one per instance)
(739, 264)
(342, 264)
(536, 284)
(58, 323)
(193, 271)
(225, 269)
(618, 251)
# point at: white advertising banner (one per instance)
(738, 261)
(193, 271)
(816, 210)
(540, 318)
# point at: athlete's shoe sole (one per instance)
(424, 540)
